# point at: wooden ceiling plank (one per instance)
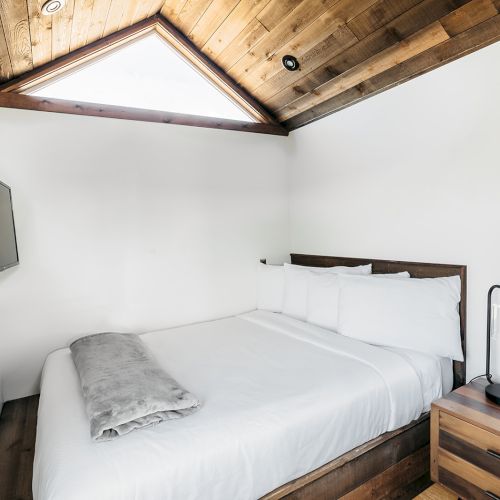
(40, 33)
(379, 15)
(323, 73)
(292, 24)
(125, 13)
(402, 51)
(402, 27)
(98, 20)
(469, 41)
(115, 14)
(156, 7)
(145, 9)
(81, 23)
(252, 33)
(298, 20)
(469, 15)
(190, 14)
(275, 11)
(14, 17)
(316, 57)
(171, 10)
(320, 29)
(140, 12)
(212, 18)
(5, 65)
(129, 14)
(233, 25)
(61, 30)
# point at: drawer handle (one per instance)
(492, 495)
(493, 453)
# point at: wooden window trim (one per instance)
(11, 92)
(19, 101)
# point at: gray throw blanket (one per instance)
(123, 386)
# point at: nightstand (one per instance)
(465, 443)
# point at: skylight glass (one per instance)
(147, 74)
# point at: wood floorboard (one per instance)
(436, 492)
(17, 448)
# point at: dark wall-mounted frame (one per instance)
(7, 266)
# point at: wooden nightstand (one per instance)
(465, 443)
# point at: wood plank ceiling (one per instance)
(347, 49)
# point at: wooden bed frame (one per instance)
(395, 464)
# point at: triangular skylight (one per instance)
(148, 74)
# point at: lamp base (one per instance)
(492, 392)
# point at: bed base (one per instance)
(393, 465)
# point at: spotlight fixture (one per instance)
(52, 6)
(290, 63)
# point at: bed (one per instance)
(288, 409)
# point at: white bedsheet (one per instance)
(279, 398)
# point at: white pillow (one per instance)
(402, 274)
(419, 314)
(323, 297)
(270, 287)
(296, 285)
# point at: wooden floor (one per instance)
(17, 448)
(436, 492)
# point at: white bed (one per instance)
(280, 398)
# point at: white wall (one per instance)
(130, 226)
(410, 174)
(133, 226)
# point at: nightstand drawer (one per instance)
(469, 442)
(462, 487)
(486, 482)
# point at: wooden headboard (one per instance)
(416, 270)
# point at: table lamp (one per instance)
(492, 390)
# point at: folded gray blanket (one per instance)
(123, 386)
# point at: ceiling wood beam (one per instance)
(27, 102)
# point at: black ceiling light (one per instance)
(290, 63)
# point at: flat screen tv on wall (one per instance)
(8, 244)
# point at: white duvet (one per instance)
(279, 398)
